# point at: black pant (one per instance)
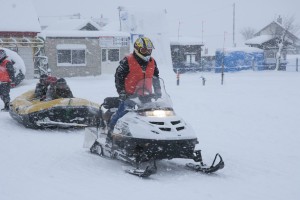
(4, 92)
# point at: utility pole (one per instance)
(120, 8)
(202, 31)
(222, 74)
(178, 30)
(233, 32)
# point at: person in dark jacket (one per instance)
(42, 87)
(137, 66)
(58, 90)
(7, 79)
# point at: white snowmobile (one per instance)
(149, 131)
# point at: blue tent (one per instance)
(237, 59)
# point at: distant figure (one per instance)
(7, 79)
(59, 89)
(43, 86)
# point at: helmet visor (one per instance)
(145, 51)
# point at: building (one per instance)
(18, 31)
(186, 54)
(84, 53)
(268, 39)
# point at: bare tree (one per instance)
(248, 33)
(283, 36)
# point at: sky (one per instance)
(211, 20)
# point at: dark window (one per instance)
(78, 56)
(103, 55)
(113, 55)
(71, 57)
(64, 56)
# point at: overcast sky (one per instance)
(216, 16)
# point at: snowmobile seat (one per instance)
(111, 102)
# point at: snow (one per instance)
(71, 46)
(243, 49)
(71, 24)
(259, 39)
(83, 33)
(186, 41)
(19, 63)
(252, 121)
(19, 16)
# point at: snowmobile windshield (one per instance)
(150, 94)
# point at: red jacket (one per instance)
(4, 75)
(136, 74)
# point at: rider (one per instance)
(41, 87)
(136, 66)
(59, 89)
(7, 78)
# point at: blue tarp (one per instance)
(239, 59)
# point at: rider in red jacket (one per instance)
(137, 66)
(7, 78)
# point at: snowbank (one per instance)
(19, 63)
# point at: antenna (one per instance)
(178, 29)
(233, 32)
(202, 31)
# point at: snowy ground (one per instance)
(252, 121)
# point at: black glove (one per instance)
(158, 93)
(122, 95)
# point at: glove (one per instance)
(12, 84)
(158, 93)
(122, 95)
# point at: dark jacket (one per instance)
(123, 70)
(55, 93)
(41, 91)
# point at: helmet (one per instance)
(2, 54)
(143, 48)
(61, 83)
(43, 78)
(51, 80)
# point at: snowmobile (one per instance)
(149, 131)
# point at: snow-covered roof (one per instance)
(259, 39)
(83, 34)
(71, 46)
(243, 49)
(185, 41)
(71, 24)
(18, 16)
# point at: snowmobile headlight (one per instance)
(159, 113)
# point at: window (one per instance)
(71, 55)
(104, 55)
(190, 58)
(113, 42)
(112, 55)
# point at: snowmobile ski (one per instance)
(142, 172)
(203, 167)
